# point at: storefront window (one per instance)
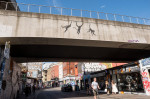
(130, 82)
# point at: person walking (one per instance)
(114, 87)
(26, 91)
(107, 87)
(33, 89)
(29, 88)
(95, 88)
(88, 88)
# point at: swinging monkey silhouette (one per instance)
(78, 28)
(91, 30)
(67, 27)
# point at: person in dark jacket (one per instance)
(33, 89)
(87, 88)
(29, 88)
(26, 91)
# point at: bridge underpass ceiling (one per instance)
(40, 53)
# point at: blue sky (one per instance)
(137, 8)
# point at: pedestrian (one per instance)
(26, 91)
(33, 89)
(107, 87)
(87, 88)
(29, 88)
(114, 87)
(95, 88)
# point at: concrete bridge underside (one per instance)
(61, 50)
(45, 37)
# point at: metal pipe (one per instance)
(90, 14)
(98, 15)
(28, 8)
(6, 6)
(61, 11)
(122, 18)
(50, 10)
(144, 21)
(130, 19)
(137, 20)
(81, 13)
(71, 12)
(39, 9)
(115, 17)
(17, 7)
(106, 16)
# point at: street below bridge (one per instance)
(55, 93)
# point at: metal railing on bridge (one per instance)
(74, 12)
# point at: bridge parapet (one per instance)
(75, 12)
(37, 28)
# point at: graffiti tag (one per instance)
(133, 41)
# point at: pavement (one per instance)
(55, 93)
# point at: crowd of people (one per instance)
(109, 88)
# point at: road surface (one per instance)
(55, 93)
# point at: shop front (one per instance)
(128, 79)
(101, 78)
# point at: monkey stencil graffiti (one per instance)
(91, 30)
(78, 28)
(66, 27)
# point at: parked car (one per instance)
(66, 88)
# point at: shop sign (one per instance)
(108, 65)
(131, 69)
(145, 62)
(93, 67)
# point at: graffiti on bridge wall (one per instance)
(133, 41)
(78, 28)
(67, 27)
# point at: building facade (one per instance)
(60, 71)
(70, 72)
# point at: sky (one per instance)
(137, 8)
